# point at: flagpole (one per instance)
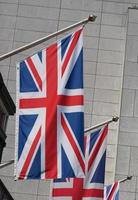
(6, 164)
(91, 18)
(114, 119)
(125, 179)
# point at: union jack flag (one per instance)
(111, 192)
(92, 186)
(50, 112)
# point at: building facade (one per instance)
(110, 76)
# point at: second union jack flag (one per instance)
(111, 192)
(50, 112)
(92, 186)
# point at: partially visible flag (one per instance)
(92, 186)
(111, 192)
(50, 112)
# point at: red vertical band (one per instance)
(51, 112)
(113, 191)
(98, 146)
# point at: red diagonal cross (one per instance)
(112, 191)
(50, 102)
(77, 192)
(94, 153)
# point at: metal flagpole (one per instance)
(125, 179)
(114, 119)
(91, 18)
(6, 164)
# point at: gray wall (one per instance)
(127, 154)
(22, 21)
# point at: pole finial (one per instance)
(92, 18)
(115, 118)
(129, 177)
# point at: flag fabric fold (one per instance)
(111, 192)
(50, 112)
(92, 186)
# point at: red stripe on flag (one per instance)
(61, 192)
(33, 103)
(69, 192)
(70, 50)
(73, 144)
(98, 146)
(70, 100)
(35, 73)
(30, 155)
(43, 102)
(112, 192)
(51, 113)
(97, 193)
